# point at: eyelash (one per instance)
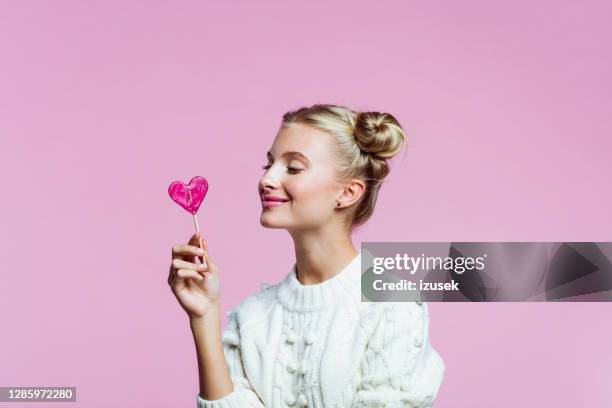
(292, 170)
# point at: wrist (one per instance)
(212, 313)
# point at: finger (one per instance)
(195, 239)
(171, 275)
(186, 252)
(212, 266)
(200, 243)
(198, 256)
(180, 264)
(188, 273)
(186, 249)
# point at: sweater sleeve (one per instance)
(243, 395)
(400, 368)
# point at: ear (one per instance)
(351, 193)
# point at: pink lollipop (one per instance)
(189, 196)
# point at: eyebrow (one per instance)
(290, 154)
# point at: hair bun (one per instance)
(378, 134)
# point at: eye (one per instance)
(291, 170)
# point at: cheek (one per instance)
(310, 192)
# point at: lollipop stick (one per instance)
(195, 220)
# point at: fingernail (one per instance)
(201, 252)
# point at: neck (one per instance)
(321, 253)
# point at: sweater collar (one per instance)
(346, 284)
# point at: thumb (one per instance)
(210, 262)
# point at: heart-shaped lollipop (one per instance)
(189, 196)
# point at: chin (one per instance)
(267, 222)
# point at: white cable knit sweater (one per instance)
(294, 345)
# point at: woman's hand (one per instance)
(195, 285)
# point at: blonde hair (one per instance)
(364, 141)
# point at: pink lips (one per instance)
(268, 201)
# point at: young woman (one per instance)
(309, 341)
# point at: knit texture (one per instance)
(294, 345)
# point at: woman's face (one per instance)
(300, 172)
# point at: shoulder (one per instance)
(404, 311)
(407, 311)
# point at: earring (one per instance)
(338, 204)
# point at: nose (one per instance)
(268, 182)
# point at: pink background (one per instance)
(507, 106)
